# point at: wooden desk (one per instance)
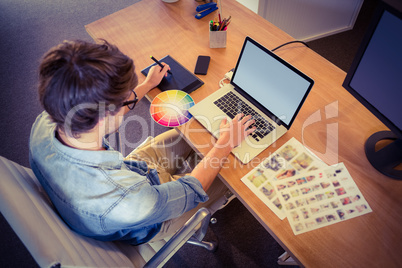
(331, 123)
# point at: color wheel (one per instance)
(170, 108)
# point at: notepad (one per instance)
(181, 78)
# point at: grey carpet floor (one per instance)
(28, 29)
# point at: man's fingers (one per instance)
(224, 120)
(238, 116)
(249, 123)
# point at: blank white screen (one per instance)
(275, 86)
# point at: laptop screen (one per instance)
(270, 81)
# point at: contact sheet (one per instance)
(320, 198)
(297, 185)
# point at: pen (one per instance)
(219, 26)
(160, 64)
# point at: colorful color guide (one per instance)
(170, 108)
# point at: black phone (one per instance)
(201, 67)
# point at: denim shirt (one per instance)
(100, 195)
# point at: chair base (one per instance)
(210, 246)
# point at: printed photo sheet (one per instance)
(320, 198)
(288, 161)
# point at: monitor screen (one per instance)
(375, 79)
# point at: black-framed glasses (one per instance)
(131, 104)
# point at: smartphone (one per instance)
(201, 67)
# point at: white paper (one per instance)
(320, 198)
(289, 160)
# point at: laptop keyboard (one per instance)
(232, 105)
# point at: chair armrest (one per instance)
(191, 227)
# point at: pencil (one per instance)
(220, 11)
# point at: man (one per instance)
(85, 90)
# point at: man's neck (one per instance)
(85, 141)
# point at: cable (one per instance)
(221, 83)
(291, 42)
(227, 77)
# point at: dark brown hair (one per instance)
(76, 78)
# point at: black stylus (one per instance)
(160, 64)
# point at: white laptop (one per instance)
(263, 85)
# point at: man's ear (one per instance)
(101, 121)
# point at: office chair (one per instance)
(29, 211)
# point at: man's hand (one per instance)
(233, 133)
(155, 75)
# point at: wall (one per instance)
(308, 19)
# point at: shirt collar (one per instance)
(106, 159)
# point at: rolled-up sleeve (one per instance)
(196, 187)
(146, 204)
(177, 197)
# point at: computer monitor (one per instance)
(375, 79)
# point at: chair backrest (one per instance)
(50, 241)
(31, 214)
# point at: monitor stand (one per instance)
(387, 158)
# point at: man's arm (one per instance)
(231, 135)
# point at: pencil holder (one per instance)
(217, 39)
